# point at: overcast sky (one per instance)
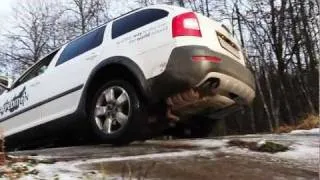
(5, 12)
(5, 7)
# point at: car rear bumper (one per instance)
(182, 73)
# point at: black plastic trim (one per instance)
(117, 60)
(182, 72)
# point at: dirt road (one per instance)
(185, 159)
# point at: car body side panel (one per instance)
(148, 46)
(15, 106)
(71, 75)
(15, 125)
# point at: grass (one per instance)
(12, 167)
(285, 129)
(272, 147)
(16, 167)
(268, 146)
(309, 122)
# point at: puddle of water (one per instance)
(206, 167)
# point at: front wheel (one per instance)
(117, 113)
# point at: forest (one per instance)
(281, 39)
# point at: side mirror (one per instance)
(4, 83)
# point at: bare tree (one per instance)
(87, 13)
(31, 38)
(43, 25)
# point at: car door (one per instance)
(68, 73)
(20, 106)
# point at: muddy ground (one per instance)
(190, 159)
(222, 166)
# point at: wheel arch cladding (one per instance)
(112, 68)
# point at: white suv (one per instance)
(156, 64)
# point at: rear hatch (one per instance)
(219, 39)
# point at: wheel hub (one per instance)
(112, 109)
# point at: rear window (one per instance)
(83, 44)
(136, 20)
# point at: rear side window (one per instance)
(136, 20)
(83, 44)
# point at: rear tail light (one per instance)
(213, 59)
(186, 24)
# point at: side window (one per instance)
(81, 45)
(36, 70)
(3, 82)
(136, 20)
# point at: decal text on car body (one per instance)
(15, 102)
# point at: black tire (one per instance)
(196, 127)
(136, 119)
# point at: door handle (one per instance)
(92, 56)
(35, 84)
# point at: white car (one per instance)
(156, 65)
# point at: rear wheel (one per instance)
(117, 113)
